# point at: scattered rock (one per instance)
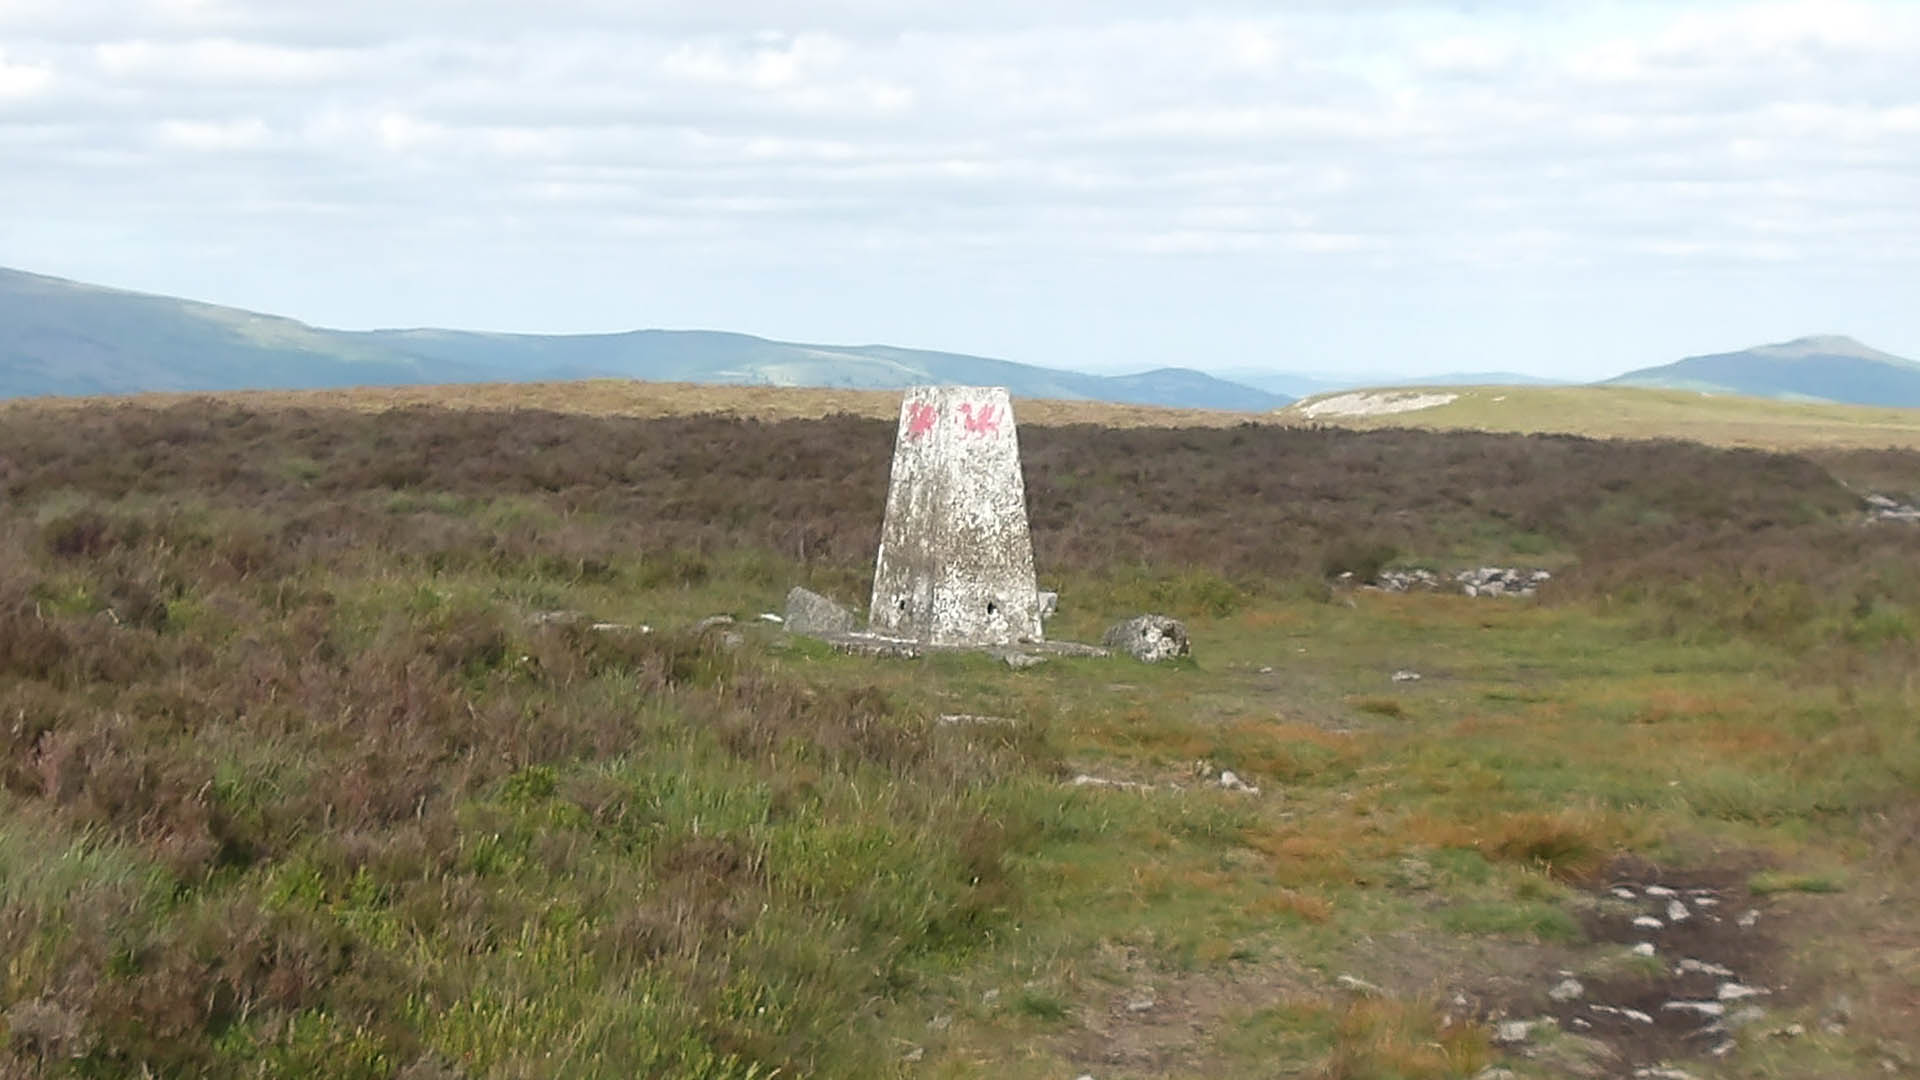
(712, 621)
(914, 1055)
(1512, 1032)
(1567, 990)
(1481, 581)
(1662, 1073)
(1621, 892)
(810, 613)
(877, 647)
(1084, 780)
(1648, 922)
(1404, 675)
(768, 616)
(1360, 986)
(1747, 919)
(1020, 661)
(1701, 1008)
(1149, 638)
(1645, 948)
(1141, 1005)
(1660, 891)
(1232, 782)
(1048, 603)
(1733, 991)
(1416, 874)
(1882, 508)
(1577, 1056)
(969, 720)
(1677, 912)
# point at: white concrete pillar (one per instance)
(956, 559)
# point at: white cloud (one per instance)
(19, 81)
(1314, 141)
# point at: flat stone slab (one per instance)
(892, 648)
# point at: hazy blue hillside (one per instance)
(1827, 368)
(63, 337)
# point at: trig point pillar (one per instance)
(956, 560)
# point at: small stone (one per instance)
(1267, 670)
(1404, 675)
(1232, 782)
(1358, 986)
(1691, 966)
(970, 720)
(1677, 912)
(1648, 922)
(1048, 603)
(1510, 1032)
(1495, 1072)
(1702, 1008)
(1747, 919)
(1567, 990)
(1020, 661)
(1141, 1005)
(712, 621)
(1645, 948)
(1636, 1016)
(914, 1055)
(1733, 991)
(989, 997)
(1624, 893)
(1660, 891)
(1746, 1016)
(1791, 1031)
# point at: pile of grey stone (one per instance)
(1882, 508)
(1478, 581)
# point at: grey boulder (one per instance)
(810, 613)
(1151, 638)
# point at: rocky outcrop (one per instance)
(1149, 638)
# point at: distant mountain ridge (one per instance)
(1828, 367)
(69, 338)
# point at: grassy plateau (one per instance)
(358, 741)
(1623, 412)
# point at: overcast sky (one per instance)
(1562, 188)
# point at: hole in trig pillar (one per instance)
(991, 608)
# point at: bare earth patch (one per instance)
(1376, 403)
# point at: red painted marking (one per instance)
(985, 422)
(920, 419)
